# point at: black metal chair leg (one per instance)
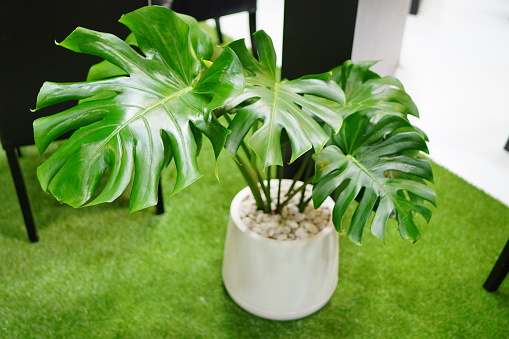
(22, 195)
(499, 271)
(414, 8)
(507, 145)
(252, 29)
(218, 28)
(160, 201)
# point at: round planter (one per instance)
(279, 280)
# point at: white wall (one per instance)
(379, 33)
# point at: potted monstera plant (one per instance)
(155, 96)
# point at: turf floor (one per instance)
(99, 272)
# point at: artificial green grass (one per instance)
(99, 272)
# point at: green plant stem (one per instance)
(250, 175)
(300, 171)
(290, 195)
(242, 144)
(280, 178)
(302, 202)
(290, 192)
(261, 181)
(267, 189)
(308, 200)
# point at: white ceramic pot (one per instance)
(279, 280)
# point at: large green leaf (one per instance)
(132, 126)
(373, 161)
(366, 90)
(280, 106)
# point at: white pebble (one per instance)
(299, 217)
(257, 230)
(292, 224)
(283, 230)
(311, 214)
(267, 225)
(275, 218)
(301, 233)
(289, 225)
(282, 236)
(271, 232)
(248, 222)
(317, 220)
(292, 210)
(310, 227)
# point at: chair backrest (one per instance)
(207, 9)
(28, 55)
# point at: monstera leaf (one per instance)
(375, 162)
(366, 90)
(129, 127)
(280, 106)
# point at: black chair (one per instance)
(214, 9)
(501, 268)
(499, 271)
(414, 7)
(29, 57)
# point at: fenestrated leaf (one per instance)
(350, 75)
(149, 117)
(368, 160)
(280, 105)
(366, 90)
(200, 40)
(105, 69)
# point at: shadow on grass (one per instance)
(46, 210)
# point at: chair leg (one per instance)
(499, 271)
(218, 28)
(507, 145)
(252, 29)
(415, 6)
(22, 195)
(160, 201)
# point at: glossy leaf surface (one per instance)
(373, 161)
(132, 126)
(366, 90)
(280, 106)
